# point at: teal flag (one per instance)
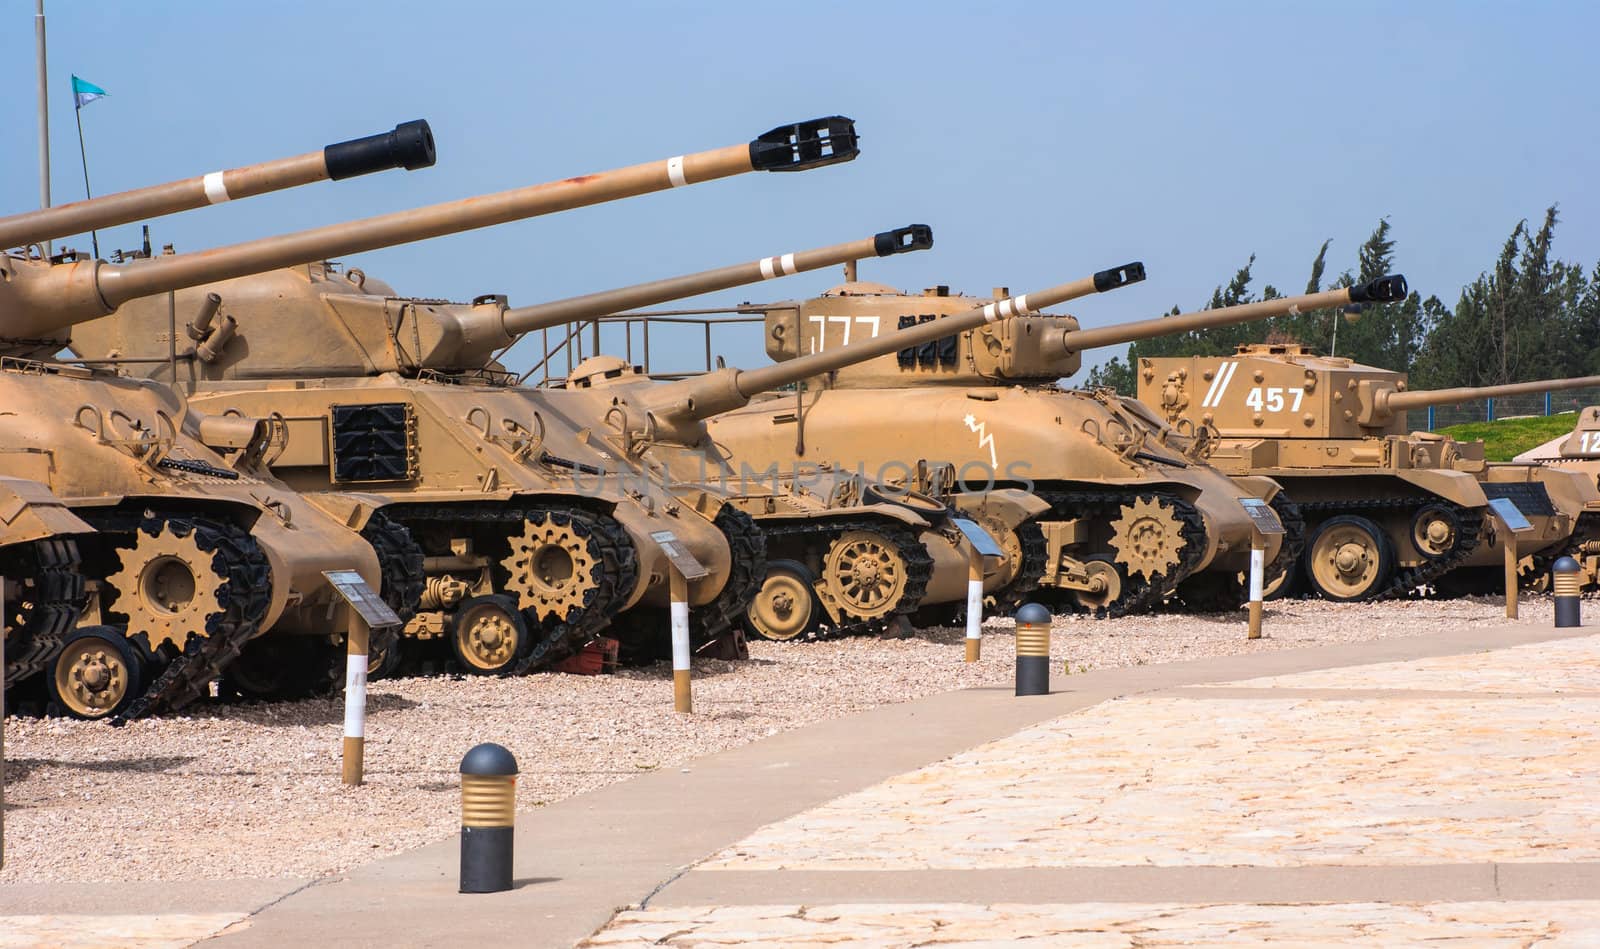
(86, 92)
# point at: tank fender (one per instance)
(1459, 487)
(1258, 486)
(1011, 506)
(28, 512)
(352, 509)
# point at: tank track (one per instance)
(49, 605)
(1034, 556)
(1139, 594)
(1469, 532)
(1585, 529)
(1294, 536)
(400, 564)
(245, 592)
(619, 570)
(919, 564)
(747, 546)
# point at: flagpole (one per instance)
(77, 111)
(44, 113)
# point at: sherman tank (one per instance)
(1136, 514)
(1387, 510)
(536, 535)
(846, 554)
(148, 561)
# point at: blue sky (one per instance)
(1042, 141)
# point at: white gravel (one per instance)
(252, 791)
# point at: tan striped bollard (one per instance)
(488, 818)
(1258, 571)
(1566, 579)
(1033, 650)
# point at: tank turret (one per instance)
(289, 322)
(38, 300)
(409, 146)
(1287, 391)
(1040, 349)
(696, 399)
(1584, 442)
(1387, 510)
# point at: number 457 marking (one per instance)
(1271, 398)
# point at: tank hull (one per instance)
(1050, 442)
(470, 469)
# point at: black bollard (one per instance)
(1033, 650)
(1565, 579)
(488, 818)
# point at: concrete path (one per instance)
(977, 809)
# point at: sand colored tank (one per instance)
(1135, 511)
(39, 561)
(182, 557)
(1387, 510)
(528, 551)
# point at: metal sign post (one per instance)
(1265, 521)
(685, 567)
(1513, 523)
(979, 545)
(367, 612)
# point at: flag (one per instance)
(86, 92)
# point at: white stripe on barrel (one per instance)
(216, 188)
(769, 268)
(786, 265)
(675, 172)
(355, 696)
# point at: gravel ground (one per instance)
(252, 791)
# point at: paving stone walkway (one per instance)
(1452, 798)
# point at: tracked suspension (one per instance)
(46, 591)
(1139, 593)
(1406, 581)
(817, 535)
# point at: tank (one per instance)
(146, 562)
(1136, 514)
(1387, 510)
(536, 536)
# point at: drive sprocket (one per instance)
(166, 587)
(1148, 537)
(554, 566)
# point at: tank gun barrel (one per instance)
(1386, 289)
(676, 403)
(48, 300)
(526, 319)
(1386, 402)
(409, 146)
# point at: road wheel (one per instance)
(490, 635)
(96, 673)
(786, 606)
(1434, 531)
(1349, 558)
(1107, 584)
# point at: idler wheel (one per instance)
(1434, 531)
(866, 573)
(96, 673)
(1349, 558)
(490, 635)
(786, 605)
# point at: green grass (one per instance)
(1506, 438)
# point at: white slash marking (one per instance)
(974, 609)
(680, 636)
(355, 697)
(675, 173)
(985, 440)
(216, 189)
(1219, 385)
